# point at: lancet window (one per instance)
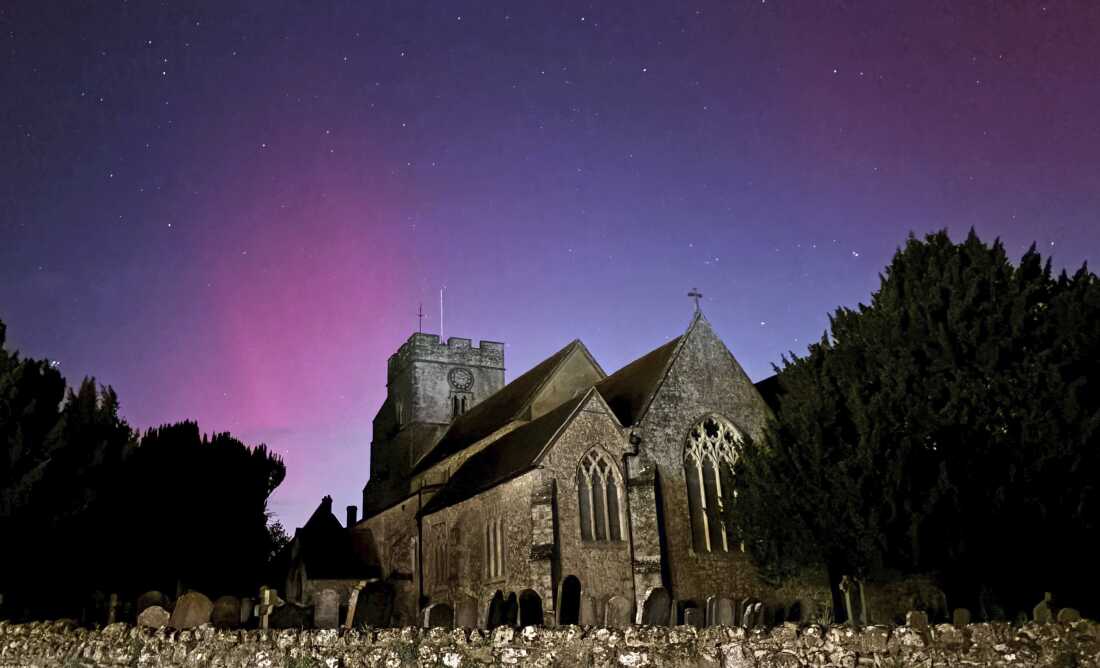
(709, 455)
(600, 497)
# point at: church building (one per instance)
(567, 495)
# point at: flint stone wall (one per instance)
(48, 644)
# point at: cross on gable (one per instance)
(696, 295)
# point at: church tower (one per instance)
(428, 384)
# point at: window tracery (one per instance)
(599, 492)
(710, 453)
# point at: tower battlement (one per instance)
(428, 348)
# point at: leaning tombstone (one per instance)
(326, 610)
(960, 617)
(192, 610)
(353, 603)
(269, 602)
(153, 617)
(439, 615)
(375, 605)
(723, 612)
(1041, 613)
(1068, 616)
(617, 613)
(226, 613)
(747, 621)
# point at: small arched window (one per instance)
(600, 500)
(709, 455)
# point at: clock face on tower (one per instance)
(461, 379)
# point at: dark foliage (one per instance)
(950, 427)
(87, 506)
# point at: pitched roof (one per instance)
(629, 390)
(325, 547)
(512, 454)
(770, 390)
(497, 410)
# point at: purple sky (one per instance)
(230, 213)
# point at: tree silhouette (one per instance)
(949, 427)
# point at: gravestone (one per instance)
(853, 601)
(226, 613)
(657, 607)
(151, 598)
(269, 601)
(723, 612)
(326, 610)
(439, 615)
(466, 612)
(617, 613)
(587, 613)
(1042, 613)
(917, 620)
(693, 617)
(1068, 616)
(961, 617)
(375, 605)
(291, 616)
(353, 603)
(511, 610)
(246, 610)
(795, 613)
(153, 617)
(712, 612)
(744, 609)
(758, 614)
(192, 610)
(112, 609)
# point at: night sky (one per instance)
(230, 212)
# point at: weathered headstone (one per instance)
(758, 618)
(744, 609)
(723, 612)
(292, 616)
(693, 617)
(617, 612)
(269, 601)
(853, 601)
(353, 603)
(711, 614)
(375, 606)
(192, 610)
(587, 614)
(466, 612)
(439, 615)
(326, 610)
(153, 617)
(1068, 616)
(657, 607)
(226, 613)
(917, 620)
(1042, 613)
(151, 598)
(112, 609)
(960, 617)
(247, 609)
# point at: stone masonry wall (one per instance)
(48, 645)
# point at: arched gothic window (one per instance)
(600, 497)
(709, 455)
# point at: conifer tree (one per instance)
(949, 427)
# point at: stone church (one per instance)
(567, 495)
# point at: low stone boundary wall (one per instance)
(49, 644)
